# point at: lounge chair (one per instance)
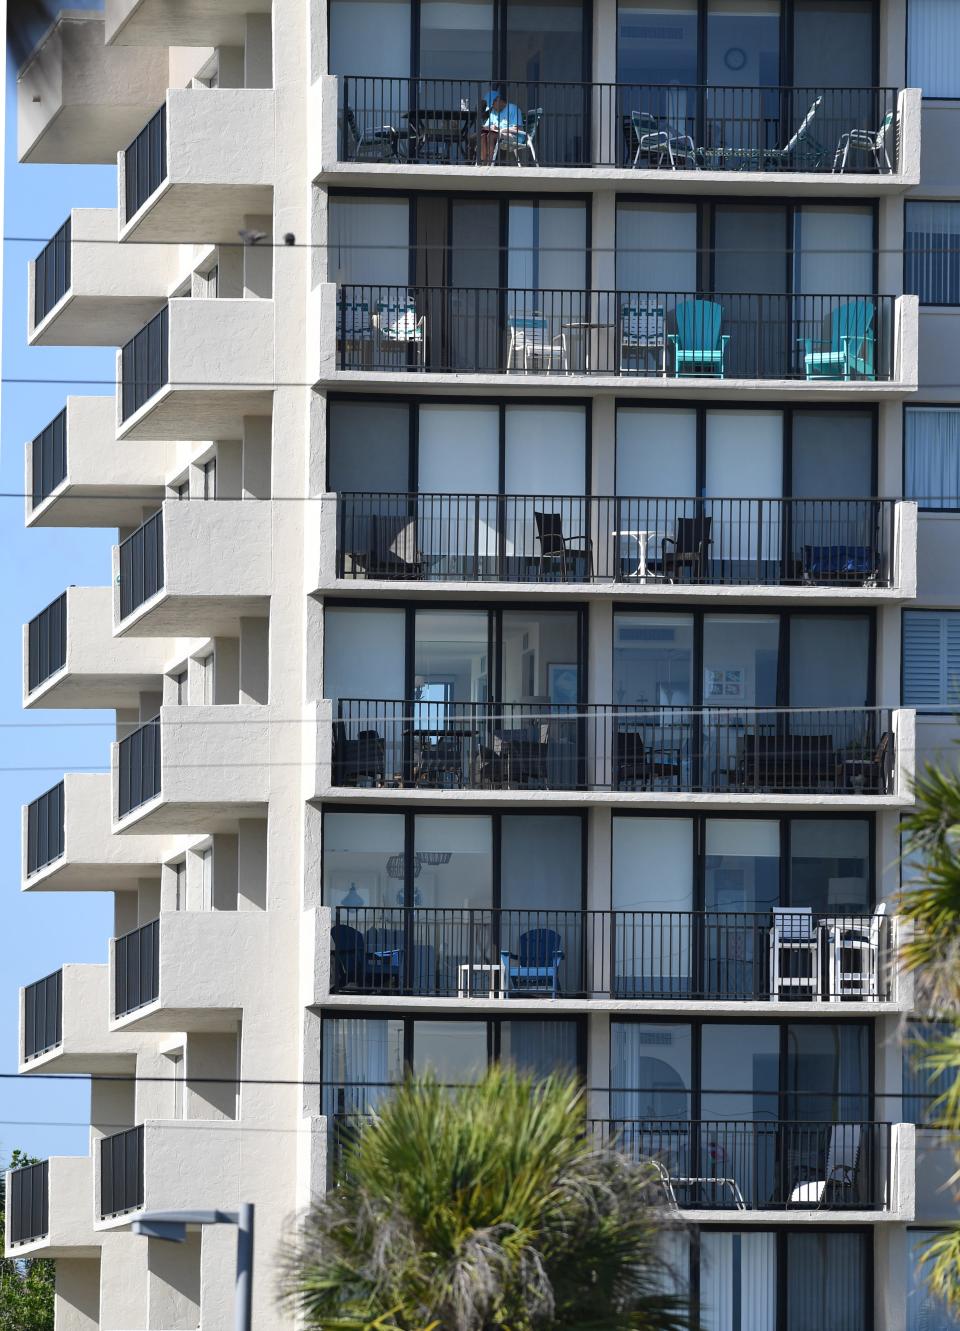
(698, 345)
(849, 351)
(839, 1173)
(642, 332)
(535, 965)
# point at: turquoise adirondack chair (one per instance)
(849, 352)
(698, 345)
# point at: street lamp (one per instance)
(172, 1226)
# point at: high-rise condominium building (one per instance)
(535, 586)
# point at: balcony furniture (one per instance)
(536, 964)
(656, 139)
(840, 563)
(398, 326)
(516, 758)
(383, 961)
(785, 762)
(794, 954)
(686, 550)
(556, 553)
(801, 151)
(638, 766)
(361, 761)
(348, 953)
(517, 141)
(642, 538)
(438, 761)
(642, 333)
(849, 350)
(355, 331)
(854, 955)
(698, 345)
(839, 1173)
(439, 134)
(491, 973)
(867, 774)
(384, 545)
(591, 338)
(670, 1182)
(373, 143)
(530, 340)
(869, 141)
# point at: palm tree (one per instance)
(484, 1209)
(932, 953)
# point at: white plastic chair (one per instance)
(855, 955)
(794, 954)
(840, 1170)
(865, 141)
(398, 326)
(530, 340)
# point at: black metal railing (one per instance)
(49, 458)
(28, 1206)
(141, 564)
(136, 968)
(139, 766)
(551, 746)
(145, 163)
(45, 829)
(452, 122)
(51, 273)
(748, 1165)
(121, 1172)
(485, 952)
(47, 642)
(43, 1015)
(596, 538)
(144, 364)
(629, 334)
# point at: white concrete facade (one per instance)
(216, 640)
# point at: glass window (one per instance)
(359, 850)
(740, 660)
(920, 1087)
(450, 661)
(369, 446)
(743, 43)
(546, 41)
(541, 868)
(454, 858)
(830, 865)
(545, 442)
(826, 1280)
(833, 44)
(539, 1048)
(827, 1076)
(653, 889)
(458, 449)
(931, 659)
(656, 247)
(454, 1051)
(740, 1075)
(363, 653)
(832, 454)
(656, 452)
(932, 247)
(369, 240)
(541, 657)
(650, 1070)
(653, 660)
(834, 252)
(932, 456)
(933, 39)
(370, 37)
(738, 1281)
(925, 1312)
(657, 42)
(456, 40)
(362, 1058)
(829, 661)
(547, 246)
(741, 864)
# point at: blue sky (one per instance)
(41, 931)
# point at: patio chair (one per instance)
(360, 761)
(394, 552)
(518, 141)
(698, 345)
(384, 957)
(655, 137)
(558, 554)
(347, 955)
(376, 143)
(849, 350)
(631, 768)
(794, 954)
(855, 955)
(642, 331)
(439, 761)
(869, 141)
(398, 326)
(867, 773)
(535, 965)
(839, 1172)
(686, 550)
(354, 331)
(530, 340)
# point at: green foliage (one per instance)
(931, 903)
(484, 1209)
(26, 1285)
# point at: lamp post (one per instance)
(172, 1226)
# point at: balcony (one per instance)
(847, 757)
(158, 984)
(72, 660)
(817, 549)
(196, 369)
(64, 1025)
(87, 290)
(77, 476)
(204, 159)
(48, 1210)
(823, 347)
(193, 769)
(682, 137)
(163, 589)
(79, 100)
(683, 958)
(166, 1165)
(68, 842)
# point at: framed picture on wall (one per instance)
(562, 683)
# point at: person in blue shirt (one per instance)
(503, 117)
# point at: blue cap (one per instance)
(491, 96)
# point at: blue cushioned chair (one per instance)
(535, 965)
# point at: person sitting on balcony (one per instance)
(503, 119)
